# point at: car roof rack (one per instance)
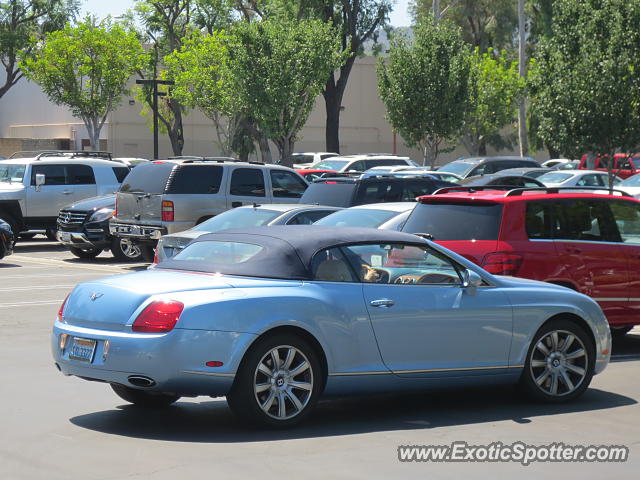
(29, 153)
(518, 191)
(197, 158)
(74, 154)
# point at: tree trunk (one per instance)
(285, 148)
(93, 130)
(553, 153)
(333, 93)
(522, 113)
(436, 12)
(482, 148)
(429, 155)
(260, 138)
(176, 133)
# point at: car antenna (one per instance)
(256, 205)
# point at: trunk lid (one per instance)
(139, 208)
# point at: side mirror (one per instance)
(40, 179)
(471, 279)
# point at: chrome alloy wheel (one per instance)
(283, 382)
(559, 363)
(129, 249)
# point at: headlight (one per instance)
(102, 215)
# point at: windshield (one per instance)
(631, 182)
(357, 217)
(11, 173)
(554, 177)
(238, 218)
(330, 165)
(459, 168)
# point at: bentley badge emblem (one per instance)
(94, 296)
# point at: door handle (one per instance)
(236, 204)
(382, 303)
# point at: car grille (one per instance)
(71, 217)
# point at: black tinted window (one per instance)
(456, 221)
(334, 194)
(54, 174)
(627, 218)
(585, 220)
(120, 173)
(247, 182)
(80, 175)
(148, 178)
(307, 218)
(539, 220)
(286, 184)
(383, 162)
(195, 179)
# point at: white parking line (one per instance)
(36, 287)
(32, 303)
(47, 261)
(46, 275)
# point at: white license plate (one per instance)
(82, 349)
(65, 237)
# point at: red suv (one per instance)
(624, 165)
(587, 242)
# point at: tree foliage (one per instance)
(278, 68)
(22, 24)
(424, 85)
(494, 90)
(584, 82)
(86, 68)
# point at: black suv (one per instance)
(475, 166)
(349, 191)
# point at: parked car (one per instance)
(387, 216)
(34, 189)
(275, 317)
(584, 241)
(349, 191)
(83, 228)
(306, 159)
(631, 185)
(527, 172)
(570, 165)
(170, 196)
(444, 176)
(555, 162)
(6, 239)
(577, 178)
(311, 175)
(475, 166)
(130, 161)
(241, 217)
(624, 165)
(501, 180)
(361, 163)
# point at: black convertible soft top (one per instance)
(287, 250)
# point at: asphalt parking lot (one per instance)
(56, 427)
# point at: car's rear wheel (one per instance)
(125, 250)
(278, 382)
(86, 254)
(560, 362)
(141, 398)
(147, 252)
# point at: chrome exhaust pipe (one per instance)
(141, 381)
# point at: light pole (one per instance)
(154, 83)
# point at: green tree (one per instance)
(494, 90)
(86, 68)
(424, 85)
(584, 81)
(22, 24)
(278, 68)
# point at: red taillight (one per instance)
(502, 263)
(167, 211)
(158, 317)
(61, 311)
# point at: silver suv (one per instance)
(170, 196)
(33, 190)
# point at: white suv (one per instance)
(33, 190)
(360, 163)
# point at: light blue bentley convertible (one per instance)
(273, 318)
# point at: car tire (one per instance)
(619, 332)
(124, 250)
(557, 369)
(85, 254)
(277, 398)
(50, 233)
(141, 398)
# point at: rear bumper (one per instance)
(175, 361)
(141, 233)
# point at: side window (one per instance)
(247, 182)
(286, 184)
(358, 166)
(586, 220)
(307, 218)
(538, 220)
(120, 173)
(195, 179)
(590, 180)
(54, 174)
(623, 163)
(402, 264)
(627, 217)
(389, 162)
(331, 266)
(411, 190)
(80, 175)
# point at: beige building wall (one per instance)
(27, 115)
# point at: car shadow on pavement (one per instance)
(213, 422)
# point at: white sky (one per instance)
(102, 8)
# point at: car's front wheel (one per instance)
(278, 382)
(85, 254)
(141, 398)
(560, 362)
